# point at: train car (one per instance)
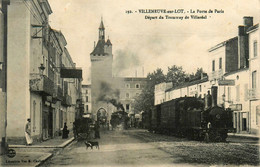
(169, 117)
(155, 119)
(189, 117)
(190, 109)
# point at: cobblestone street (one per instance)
(141, 148)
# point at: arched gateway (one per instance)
(102, 116)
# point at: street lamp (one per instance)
(41, 69)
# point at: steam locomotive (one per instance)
(191, 117)
(119, 119)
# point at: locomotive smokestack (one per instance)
(214, 92)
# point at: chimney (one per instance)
(241, 30)
(214, 93)
(248, 22)
(243, 46)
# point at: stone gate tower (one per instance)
(101, 69)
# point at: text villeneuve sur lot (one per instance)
(176, 14)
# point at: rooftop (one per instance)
(189, 84)
(221, 44)
(252, 28)
(99, 49)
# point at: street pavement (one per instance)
(116, 149)
(141, 148)
(36, 154)
(136, 147)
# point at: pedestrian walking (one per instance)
(28, 136)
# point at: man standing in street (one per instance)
(28, 137)
(65, 131)
(96, 128)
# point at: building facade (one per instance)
(235, 96)
(130, 88)
(159, 92)
(234, 72)
(36, 54)
(3, 74)
(254, 77)
(234, 69)
(197, 88)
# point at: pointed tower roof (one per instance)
(101, 25)
(99, 49)
(108, 42)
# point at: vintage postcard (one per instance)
(129, 83)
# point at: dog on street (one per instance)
(91, 144)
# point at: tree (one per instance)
(176, 75)
(146, 99)
(197, 75)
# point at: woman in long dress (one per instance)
(28, 137)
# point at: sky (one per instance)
(140, 44)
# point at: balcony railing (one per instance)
(58, 94)
(41, 83)
(253, 94)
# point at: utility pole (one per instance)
(3, 74)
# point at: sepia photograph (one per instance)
(104, 83)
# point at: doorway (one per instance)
(50, 124)
(244, 121)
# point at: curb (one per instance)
(63, 145)
(243, 136)
(37, 146)
(43, 159)
(66, 143)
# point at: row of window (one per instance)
(220, 64)
(99, 54)
(127, 95)
(220, 59)
(137, 86)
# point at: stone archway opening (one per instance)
(102, 117)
